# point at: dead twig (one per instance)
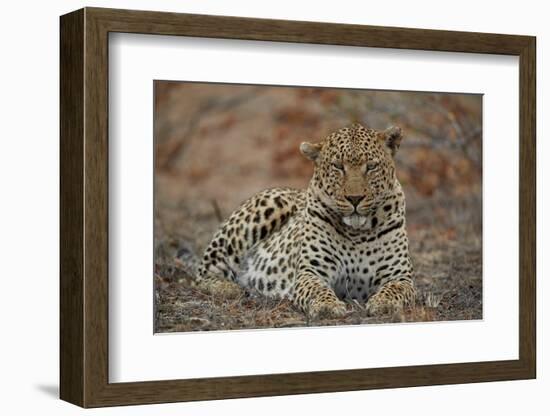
(217, 210)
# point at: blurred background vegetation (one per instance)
(217, 144)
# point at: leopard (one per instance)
(342, 240)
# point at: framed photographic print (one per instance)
(255, 207)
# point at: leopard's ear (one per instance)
(311, 150)
(392, 138)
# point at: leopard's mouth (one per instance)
(354, 220)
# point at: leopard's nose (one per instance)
(355, 199)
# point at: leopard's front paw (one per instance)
(221, 288)
(327, 309)
(380, 305)
(394, 295)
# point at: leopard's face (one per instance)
(354, 170)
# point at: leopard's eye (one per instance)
(338, 165)
(372, 166)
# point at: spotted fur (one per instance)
(342, 238)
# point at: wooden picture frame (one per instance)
(84, 207)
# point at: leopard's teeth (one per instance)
(354, 221)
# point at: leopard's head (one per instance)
(354, 170)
